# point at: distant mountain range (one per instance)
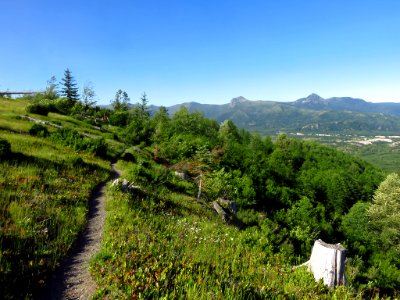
(310, 114)
(347, 104)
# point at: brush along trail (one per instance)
(73, 279)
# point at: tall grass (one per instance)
(44, 192)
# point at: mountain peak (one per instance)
(238, 100)
(312, 99)
(314, 96)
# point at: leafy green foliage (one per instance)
(38, 108)
(5, 148)
(39, 130)
(384, 213)
(88, 96)
(72, 138)
(356, 224)
(159, 243)
(51, 89)
(121, 101)
(119, 118)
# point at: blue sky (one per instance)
(205, 51)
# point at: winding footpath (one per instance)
(73, 279)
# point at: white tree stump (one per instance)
(327, 262)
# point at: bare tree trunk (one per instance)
(199, 193)
(327, 262)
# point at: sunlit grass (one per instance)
(44, 193)
(163, 244)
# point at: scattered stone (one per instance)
(230, 205)
(126, 186)
(181, 175)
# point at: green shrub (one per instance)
(61, 106)
(5, 148)
(43, 106)
(249, 217)
(73, 139)
(98, 146)
(127, 156)
(119, 118)
(38, 108)
(75, 161)
(39, 130)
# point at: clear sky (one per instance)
(207, 51)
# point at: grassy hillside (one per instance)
(160, 242)
(44, 189)
(163, 238)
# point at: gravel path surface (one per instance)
(73, 280)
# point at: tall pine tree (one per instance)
(69, 89)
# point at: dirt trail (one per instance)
(73, 280)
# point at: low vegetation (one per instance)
(288, 194)
(44, 192)
(162, 237)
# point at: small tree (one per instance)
(88, 96)
(69, 89)
(51, 89)
(121, 101)
(139, 128)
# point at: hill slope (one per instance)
(312, 114)
(45, 183)
(162, 237)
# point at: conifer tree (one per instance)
(144, 111)
(69, 88)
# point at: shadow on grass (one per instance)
(23, 272)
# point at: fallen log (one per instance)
(53, 125)
(41, 122)
(327, 262)
(219, 209)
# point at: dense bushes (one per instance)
(38, 108)
(372, 233)
(43, 106)
(72, 138)
(5, 148)
(307, 190)
(39, 130)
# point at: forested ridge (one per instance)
(164, 240)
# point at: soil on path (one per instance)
(73, 279)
